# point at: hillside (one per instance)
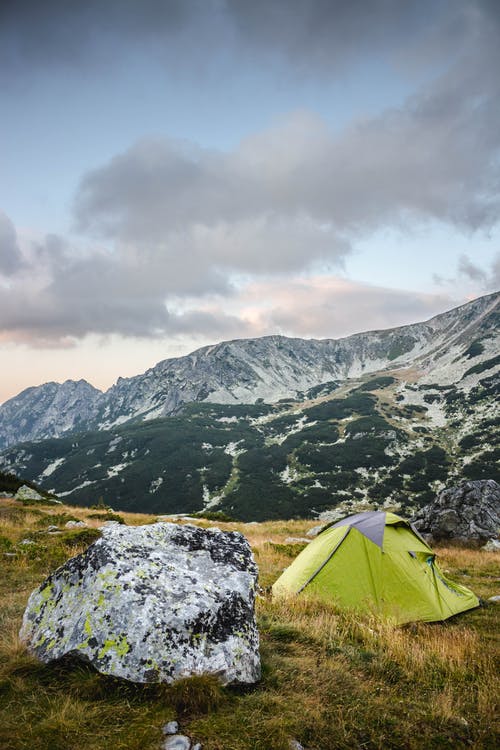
(394, 436)
(378, 440)
(358, 682)
(242, 371)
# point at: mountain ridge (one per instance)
(238, 371)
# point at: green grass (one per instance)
(330, 679)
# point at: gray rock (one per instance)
(75, 524)
(27, 541)
(495, 599)
(171, 727)
(295, 745)
(27, 493)
(52, 529)
(469, 512)
(152, 604)
(315, 530)
(177, 742)
(297, 540)
(197, 746)
(493, 545)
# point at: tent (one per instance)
(376, 562)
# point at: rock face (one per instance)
(152, 604)
(468, 512)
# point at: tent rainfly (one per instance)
(376, 562)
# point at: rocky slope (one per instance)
(380, 441)
(268, 368)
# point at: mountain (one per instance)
(244, 370)
(48, 410)
(392, 438)
(381, 440)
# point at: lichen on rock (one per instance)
(152, 604)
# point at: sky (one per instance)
(174, 173)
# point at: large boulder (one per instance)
(469, 512)
(152, 604)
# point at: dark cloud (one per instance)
(11, 259)
(326, 34)
(71, 31)
(317, 34)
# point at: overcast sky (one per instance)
(178, 172)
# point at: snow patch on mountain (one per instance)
(51, 468)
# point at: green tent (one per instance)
(376, 562)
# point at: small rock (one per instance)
(10, 554)
(171, 727)
(494, 599)
(52, 529)
(295, 745)
(27, 541)
(75, 524)
(197, 746)
(315, 530)
(177, 742)
(297, 540)
(493, 545)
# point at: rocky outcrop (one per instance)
(27, 493)
(469, 512)
(152, 604)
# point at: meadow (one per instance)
(330, 679)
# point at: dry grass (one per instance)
(330, 679)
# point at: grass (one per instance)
(330, 679)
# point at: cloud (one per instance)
(467, 268)
(437, 157)
(167, 221)
(11, 260)
(480, 278)
(62, 32)
(488, 279)
(318, 33)
(332, 307)
(325, 35)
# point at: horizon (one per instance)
(185, 173)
